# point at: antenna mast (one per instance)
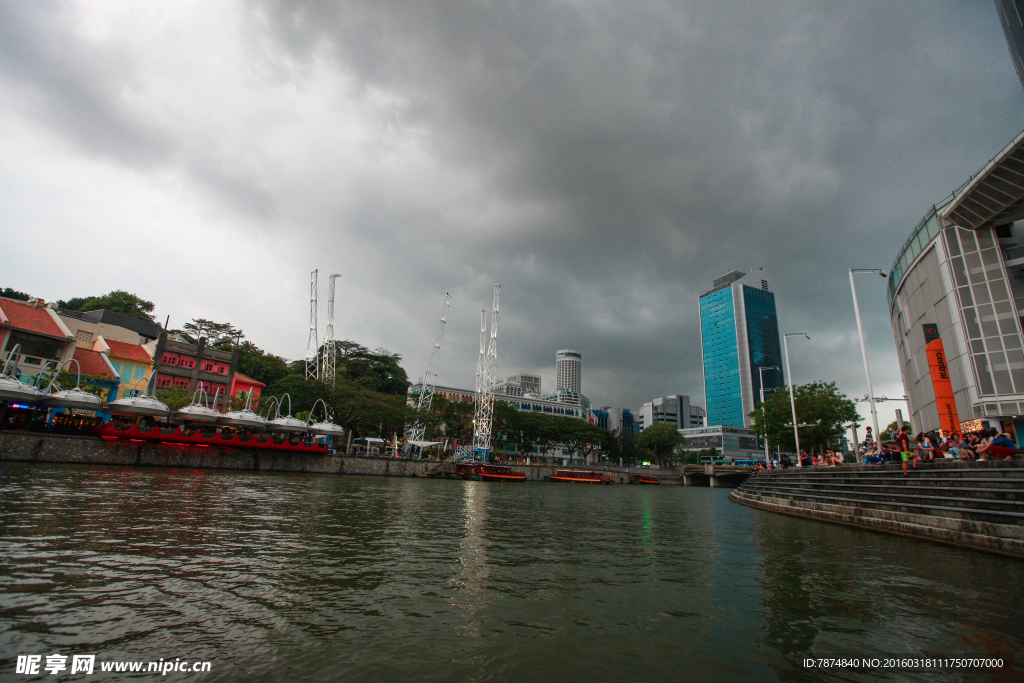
(330, 351)
(312, 349)
(487, 371)
(430, 376)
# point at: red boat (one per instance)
(210, 437)
(582, 477)
(478, 471)
(643, 479)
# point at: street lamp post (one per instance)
(792, 401)
(760, 371)
(864, 349)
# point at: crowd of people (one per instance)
(979, 445)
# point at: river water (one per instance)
(318, 578)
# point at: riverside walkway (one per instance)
(971, 504)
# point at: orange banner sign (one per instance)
(943, 388)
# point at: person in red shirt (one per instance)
(905, 451)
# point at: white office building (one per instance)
(569, 371)
(674, 410)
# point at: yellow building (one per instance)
(132, 362)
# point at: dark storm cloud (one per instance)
(83, 90)
(72, 87)
(669, 142)
(604, 161)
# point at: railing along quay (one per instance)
(971, 504)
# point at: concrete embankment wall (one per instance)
(88, 450)
(977, 505)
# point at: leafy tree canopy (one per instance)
(118, 301)
(818, 404)
(660, 439)
(222, 336)
(261, 366)
(9, 293)
(377, 370)
(889, 433)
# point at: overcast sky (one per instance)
(603, 161)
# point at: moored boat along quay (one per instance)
(977, 505)
(44, 447)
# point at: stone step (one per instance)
(897, 480)
(927, 506)
(901, 496)
(987, 491)
(992, 536)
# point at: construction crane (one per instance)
(486, 376)
(312, 348)
(417, 430)
(330, 351)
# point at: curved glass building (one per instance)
(959, 280)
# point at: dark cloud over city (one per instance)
(602, 161)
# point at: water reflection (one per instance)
(473, 570)
(309, 577)
(833, 591)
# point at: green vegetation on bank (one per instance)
(826, 411)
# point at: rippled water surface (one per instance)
(304, 577)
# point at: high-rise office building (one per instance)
(675, 410)
(530, 383)
(739, 334)
(568, 367)
(1011, 16)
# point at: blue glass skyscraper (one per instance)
(739, 334)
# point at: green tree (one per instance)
(826, 410)
(9, 293)
(97, 385)
(377, 370)
(660, 439)
(261, 366)
(118, 301)
(174, 398)
(889, 433)
(582, 437)
(223, 336)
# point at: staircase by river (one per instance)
(977, 505)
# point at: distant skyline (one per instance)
(603, 162)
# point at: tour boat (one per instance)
(643, 479)
(582, 477)
(209, 436)
(478, 471)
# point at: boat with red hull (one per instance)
(643, 479)
(582, 477)
(478, 471)
(210, 438)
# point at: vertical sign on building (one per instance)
(943, 388)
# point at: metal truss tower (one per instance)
(486, 376)
(312, 348)
(417, 431)
(330, 350)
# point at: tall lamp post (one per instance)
(864, 349)
(792, 401)
(760, 371)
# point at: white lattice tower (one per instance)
(487, 372)
(426, 397)
(312, 348)
(330, 351)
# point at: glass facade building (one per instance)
(962, 272)
(739, 334)
(1011, 16)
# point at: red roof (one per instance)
(128, 351)
(31, 319)
(239, 377)
(92, 363)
